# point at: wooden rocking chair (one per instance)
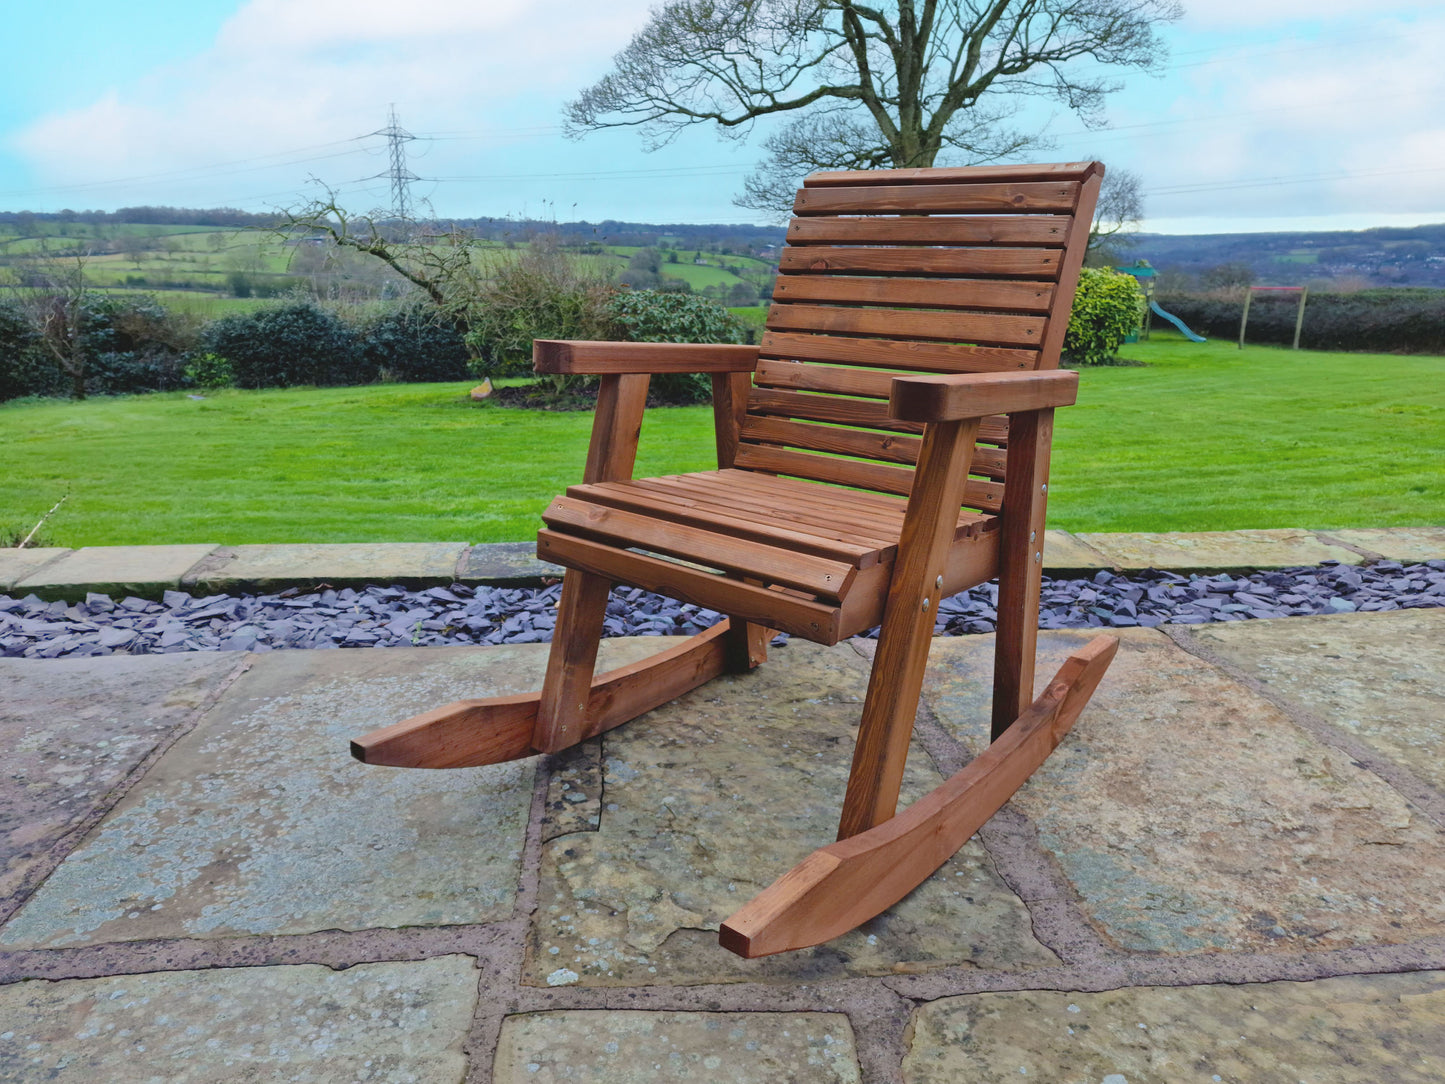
(885, 447)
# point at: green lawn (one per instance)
(1204, 438)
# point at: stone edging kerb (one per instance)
(149, 571)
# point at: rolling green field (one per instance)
(172, 260)
(1202, 438)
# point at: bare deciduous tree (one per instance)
(895, 84)
(55, 299)
(1118, 214)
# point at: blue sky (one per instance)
(1273, 114)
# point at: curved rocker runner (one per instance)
(885, 446)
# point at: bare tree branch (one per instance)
(903, 79)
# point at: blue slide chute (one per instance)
(1154, 307)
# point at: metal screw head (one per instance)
(938, 584)
(925, 605)
(1033, 535)
(1043, 488)
(1039, 558)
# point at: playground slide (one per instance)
(1154, 305)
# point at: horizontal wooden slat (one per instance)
(854, 472)
(857, 505)
(888, 447)
(825, 408)
(811, 514)
(756, 494)
(1024, 196)
(984, 294)
(918, 230)
(736, 520)
(865, 383)
(1042, 263)
(775, 609)
(1054, 171)
(896, 354)
(955, 326)
(815, 575)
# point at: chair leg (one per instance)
(1020, 558)
(746, 645)
(907, 632)
(562, 713)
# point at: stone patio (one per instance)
(1232, 870)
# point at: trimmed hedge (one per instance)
(649, 316)
(411, 345)
(25, 368)
(1403, 321)
(288, 345)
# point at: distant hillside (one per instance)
(1413, 256)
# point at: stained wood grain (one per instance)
(956, 326)
(976, 198)
(897, 354)
(1049, 230)
(896, 679)
(585, 356)
(1039, 263)
(953, 293)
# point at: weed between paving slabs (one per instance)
(394, 617)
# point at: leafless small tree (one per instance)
(1118, 214)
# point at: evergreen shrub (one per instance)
(1108, 305)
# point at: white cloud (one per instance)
(1297, 131)
(286, 74)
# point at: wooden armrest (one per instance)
(586, 356)
(952, 396)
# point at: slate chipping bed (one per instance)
(394, 617)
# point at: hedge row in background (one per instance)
(133, 344)
(1401, 321)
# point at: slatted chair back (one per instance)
(904, 271)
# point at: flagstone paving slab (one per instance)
(705, 802)
(630, 1047)
(260, 822)
(266, 568)
(72, 729)
(1405, 544)
(386, 1022)
(1361, 1029)
(1380, 676)
(145, 571)
(1067, 554)
(1213, 551)
(1191, 815)
(16, 564)
(507, 564)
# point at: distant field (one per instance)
(1205, 437)
(171, 258)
